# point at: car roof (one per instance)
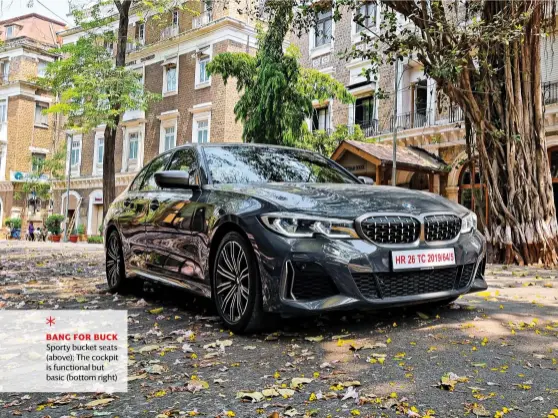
(237, 144)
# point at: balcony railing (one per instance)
(550, 93)
(169, 32)
(201, 20)
(134, 46)
(409, 120)
(371, 128)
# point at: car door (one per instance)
(173, 221)
(151, 194)
(130, 220)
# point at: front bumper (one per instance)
(321, 274)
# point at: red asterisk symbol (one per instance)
(50, 321)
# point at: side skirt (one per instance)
(195, 288)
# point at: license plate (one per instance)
(413, 259)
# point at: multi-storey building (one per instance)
(26, 134)
(171, 52)
(430, 130)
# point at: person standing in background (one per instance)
(31, 231)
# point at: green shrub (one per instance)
(13, 223)
(101, 229)
(81, 229)
(53, 224)
(94, 239)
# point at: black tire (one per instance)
(114, 263)
(240, 312)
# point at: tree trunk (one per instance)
(109, 187)
(499, 90)
(512, 150)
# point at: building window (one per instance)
(141, 33)
(170, 74)
(364, 111)
(203, 74)
(133, 143)
(41, 68)
(5, 71)
(74, 153)
(11, 31)
(170, 138)
(37, 162)
(3, 111)
(41, 119)
(175, 18)
(366, 16)
(100, 150)
(320, 119)
(203, 131)
(322, 31)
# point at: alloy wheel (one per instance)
(232, 281)
(114, 261)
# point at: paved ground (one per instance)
(501, 347)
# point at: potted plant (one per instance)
(15, 227)
(81, 233)
(74, 236)
(52, 224)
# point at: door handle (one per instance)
(154, 205)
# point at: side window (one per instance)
(158, 164)
(136, 183)
(185, 160)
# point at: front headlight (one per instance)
(294, 225)
(468, 223)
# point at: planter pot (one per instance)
(55, 238)
(73, 238)
(82, 238)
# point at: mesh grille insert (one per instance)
(391, 229)
(441, 227)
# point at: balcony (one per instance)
(410, 120)
(550, 93)
(169, 32)
(134, 46)
(201, 20)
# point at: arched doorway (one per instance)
(73, 207)
(473, 193)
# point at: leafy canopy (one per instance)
(91, 89)
(276, 92)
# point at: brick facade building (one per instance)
(25, 133)
(171, 53)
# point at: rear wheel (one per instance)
(116, 271)
(236, 284)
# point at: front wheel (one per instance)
(236, 284)
(116, 272)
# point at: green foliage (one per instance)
(80, 229)
(53, 223)
(95, 239)
(325, 143)
(92, 90)
(13, 223)
(37, 184)
(276, 93)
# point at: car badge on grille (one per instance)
(409, 206)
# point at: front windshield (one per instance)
(254, 164)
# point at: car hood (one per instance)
(344, 200)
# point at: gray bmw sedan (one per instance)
(265, 230)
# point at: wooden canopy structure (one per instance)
(375, 160)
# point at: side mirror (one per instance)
(366, 180)
(173, 179)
